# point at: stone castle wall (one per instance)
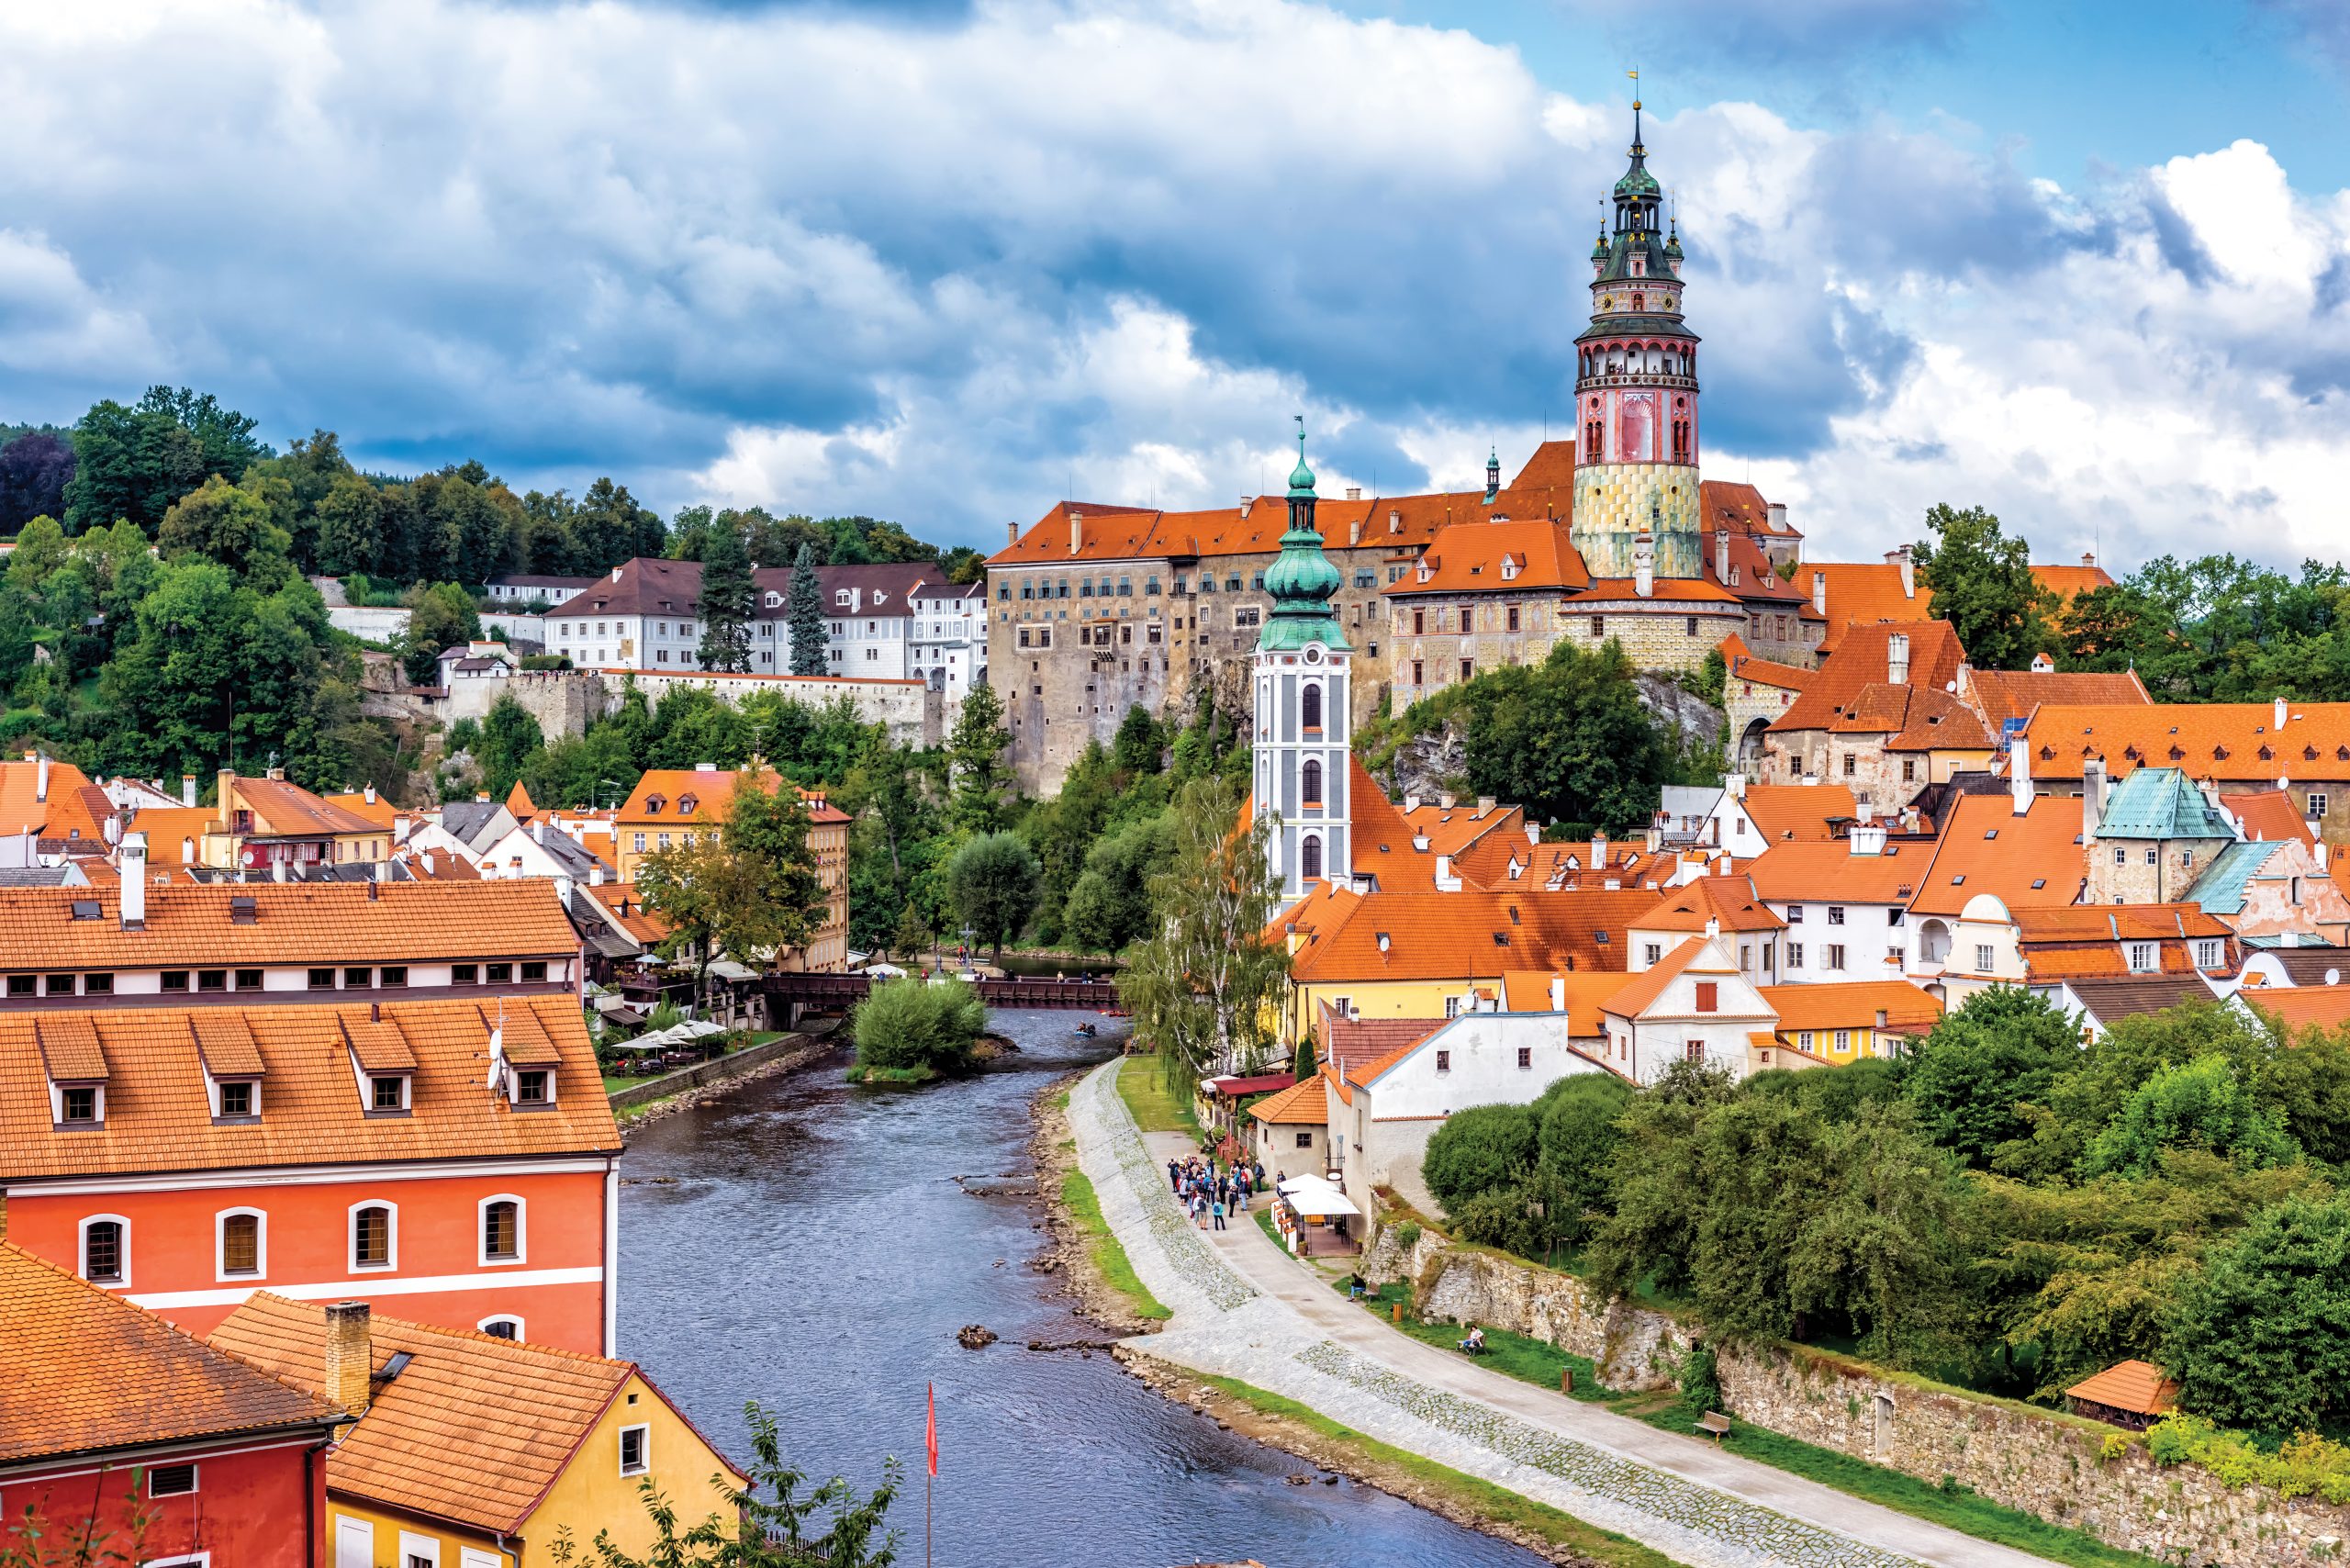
(908, 710)
(2039, 1462)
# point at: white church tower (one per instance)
(1302, 704)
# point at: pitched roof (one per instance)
(1302, 1105)
(1862, 660)
(88, 1370)
(340, 922)
(1745, 665)
(2034, 859)
(378, 812)
(519, 801)
(1784, 813)
(1587, 993)
(2109, 998)
(648, 586)
(1830, 873)
(1864, 593)
(1852, 1004)
(2208, 740)
(2268, 816)
(74, 808)
(2220, 888)
(1640, 992)
(283, 810)
(2003, 694)
(1451, 829)
(2159, 803)
(158, 1117)
(2139, 1388)
(475, 1429)
(2068, 582)
(1740, 508)
(1349, 1042)
(627, 910)
(1492, 557)
(1729, 900)
(2310, 1005)
(1468, 934)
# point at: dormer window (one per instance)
(387, 1091)
(533, 1086)
(688, 804)
(240, 1100)
(654, 804)
(81, 1104)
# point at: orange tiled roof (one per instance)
(1740, 507)
(1349, 1042)
(1495, 557)
(627, 910)
(158, 1119)
(1528, 990)
(1730, 900)
(1663, 590)
(1861, 661)
(1797, 812)
(1468, 934)
(2208, 740)
(2268, 816)
(1851, 1004)
(88, 1370)
(475, 1429)
(712, 791)
(2138, 1387)
(2003, 694)
(1451, 829)
(2034, 859)
(1755, 577)
(70, 1050)
(174, 833)
(378, 812)
(1745, 665)
(1641, 992)
(75, 808)
(339, 923)
(2068, 582)
(1864, 593)
(281, 808)
(1301, 1104)
(2302, 1007)
(2114, 923)
(519, 803)
(1830, 873)
(1362, 1075)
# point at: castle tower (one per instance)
(1636, 393)
(1302, 703)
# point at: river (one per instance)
(803, 1243)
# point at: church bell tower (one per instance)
(1301, 704)
(1636, 393)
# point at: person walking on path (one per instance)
(1174, 1176)
(1219, 1214)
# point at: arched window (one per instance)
(1309, 857)
(105, 1250)
(240, 1244)
(507, 1327)
(371, 1236)
(1639, 302)
(1311, 783)
(1310, 709)
(501, 1230)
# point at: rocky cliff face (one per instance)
(1430, 765)
(1680, 712)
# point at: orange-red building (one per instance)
(455, 1161)
(101, 1401)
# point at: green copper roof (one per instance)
(2220, 889)
(1301, 579)
(2159, 803)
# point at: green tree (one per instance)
(1652, 1232)
(749, 888)
(1205, 984)
(1109, 906)
(1567, 739)
(440, 615)
(1983, 1063)
(919, 1027)
(1301, 1066)
(351, 527)
(135, 462)
(1878, 1248)
(2261, 1336)
(727, 600)
(1135, 749)
(1479, 1150)
(1577, 1117)
(993, 880)
(1983, 586)
(803, 616)
(41, 551)
(233, 526)
(2195, 1104)
(771, 1522)
(509, 738)
(975, 754)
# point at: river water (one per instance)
(804, 1243)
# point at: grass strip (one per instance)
(1481, 1497)
(1156, 1107)
(1953, 1505)
(1109, 1258)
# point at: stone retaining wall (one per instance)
(717, 1071)
(2041, 1461)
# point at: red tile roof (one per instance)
(1729, 900)
(1468, 934)
(1797, 812)
(2268, 816)
(2138, 1387)
(2003, 694)
(88, 1370)
(1745, 665)
(2302, 1007)
(1586, 991)
(1349, 1042)
(1496, 557)
(1696, 955)
(1986, 848)
(283, 810)
(158, 1117)
(1830, 873)
(1862, 662)
(2208, 740)
(74, 810)
(1851, 1004)
(1301, 1104)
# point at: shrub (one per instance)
(2305, 1465)
(914, 1027)
(2113, 1448)
(1700, 1380)
(1482, 1148)
(1407, 1235)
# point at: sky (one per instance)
(948, 264)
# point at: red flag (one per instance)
(930, 1433)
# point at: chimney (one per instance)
(134, 881)
(1713, 926)
(374, 887)
(1819, 593)
(223, 782)
(1446, 882)
(538, 832)
(1354, 492)
(1735, 785)
(1354, 531)
(2092, 798)
(562, 892)
(1644, 565)
(277, 870)
(369, 794)
(1444, 801)
(1908, 565)
(350, 1359)
(1557, 993)
(2276, 726)
(1721, 554)
(1420, 842)
(1011, 534)
(1076, 530)
(187, 789)
(2019, 773)
(1411, 805)
(1897, 658)
(2088, 559)
(1394, 520)
(40, 770)
(1533, 832)
(1777, 512)
(1598, 850)
(596, 875)
(1868, 839)
(1656, 838)
(616, 573)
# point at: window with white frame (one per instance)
(374, 1236)
(501, 1230)
(636, 1444)
(1983, 958)
(105, 1249)
(503, 1326)
(2145, 957)
(240, 1244)
(2207, 955)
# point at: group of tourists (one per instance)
(1209, 1190)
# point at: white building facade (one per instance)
(1302, 705)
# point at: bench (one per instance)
(1715, 1424)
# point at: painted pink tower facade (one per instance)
(1636, 395)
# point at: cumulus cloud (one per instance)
(948, 264)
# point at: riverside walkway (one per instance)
(1242, 1308)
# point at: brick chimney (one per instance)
(351, 1360)
(134, 881)
(223, 780)
(1010, 533)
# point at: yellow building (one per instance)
(674, 806)
(473, 1451)
(1844, 1022)
(257, 824)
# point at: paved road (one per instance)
(1244, 1308)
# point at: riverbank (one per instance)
(1245, 1311)
(652, 1099)
(1079, 1245)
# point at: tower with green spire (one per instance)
(1636, 394)
(1303, 703)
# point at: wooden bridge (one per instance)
(833, 993)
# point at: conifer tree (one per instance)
(804, 614)
(727, 600)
